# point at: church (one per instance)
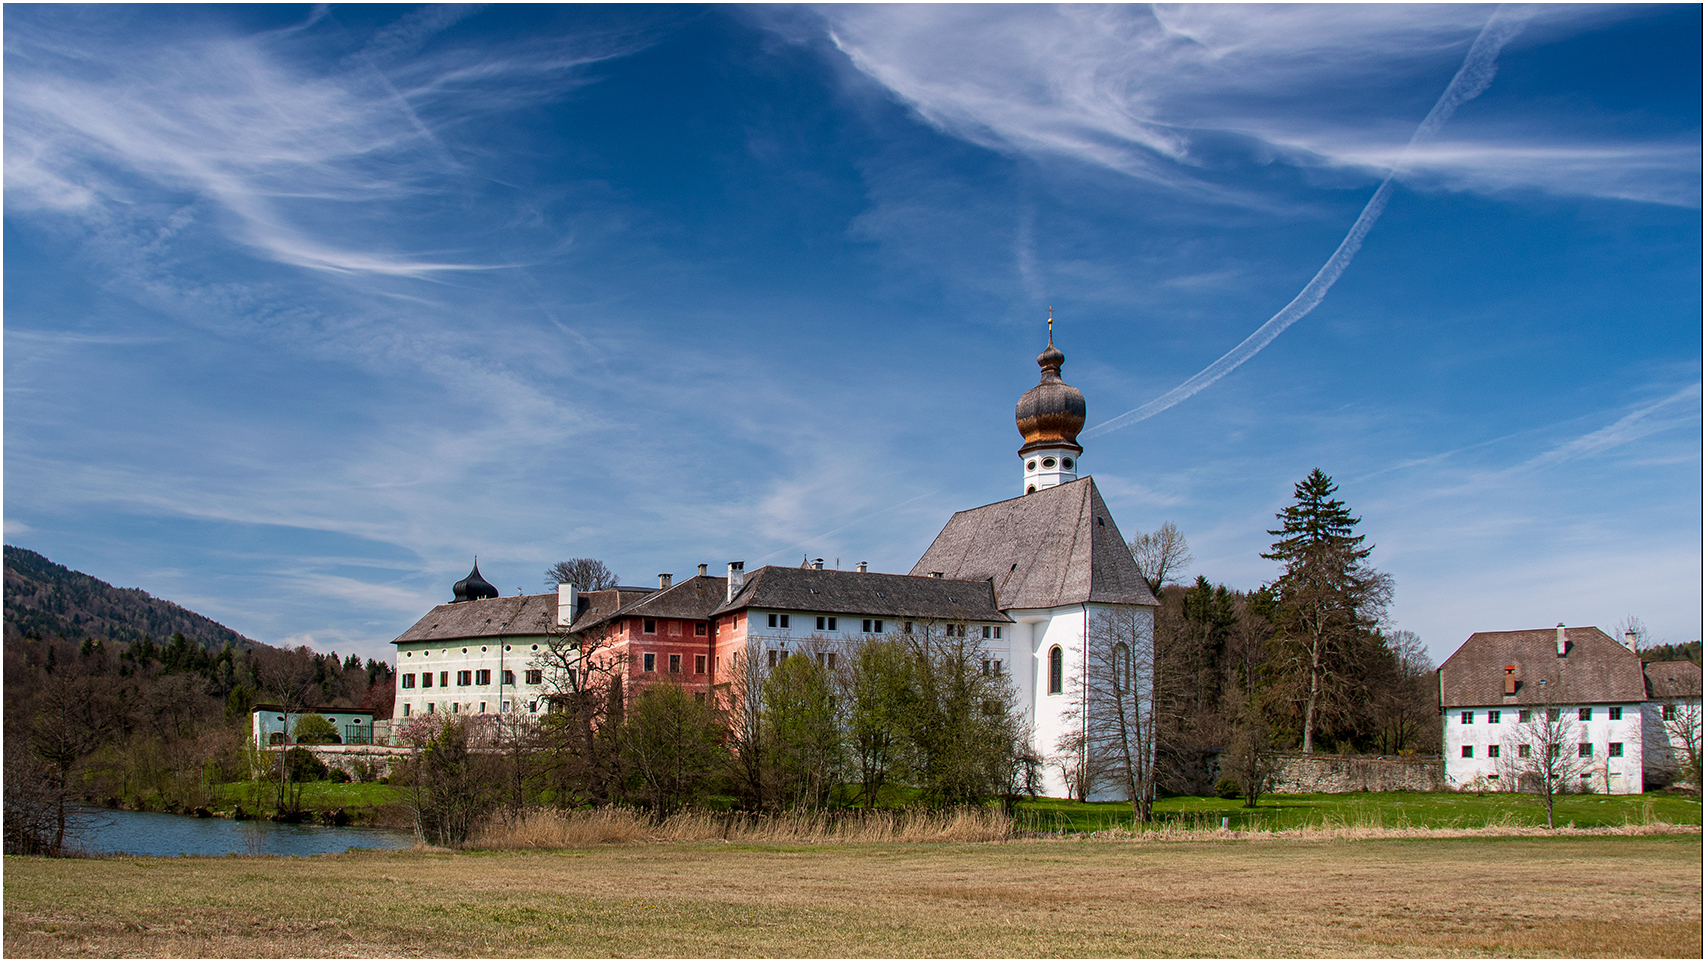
(1025, 577)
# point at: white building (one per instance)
(1494, 687)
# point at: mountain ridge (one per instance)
(45, 598)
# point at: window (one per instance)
(986, 666)
(1584, 714)
(535, 676)
(1552, 714)
(1056, 671)
(1030, 465)
(832, 661)
(906, 627)
(464, 678)
(1614, 750)
(986, 631)
(1585, 750)
(997, 664)
(426, 679)
(956, 631)
(509, 677)
(1048, 462)
(409, 680)
(698, 664)
(1522, 751)
(1667, 713)
(483, 676)
(699, 629)
(1615, 714)
(1122, 667)
(651, 661)
(1066, 463)
(825, 624)
(1493, 719)
(482, 708)
(770, 658)
(1468, 751)
(1031, 489)
(405, 709)
(505, 708)
(1468, 718)
(533, 706)
(1524, 715)
(651, 627)
(997, 631)
(866, 626)
(432, 708)
(675, 627)
(675, 664)
(1492, 751)
(456, 708)
(772, 621)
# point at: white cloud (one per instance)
(1167, 94)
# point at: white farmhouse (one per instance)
(1494, 687)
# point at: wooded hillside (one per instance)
(45, 599)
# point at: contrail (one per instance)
(1472, 78)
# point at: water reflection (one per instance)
(151, 833)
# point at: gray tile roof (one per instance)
(1595, 669)
(1058, 546)
(486, 618)
(690, 600)
(600, 606)
(867, 594)
(1672, 679)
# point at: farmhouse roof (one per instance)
(1593, 669)
(1672, 679)
(601, 605)
(690, 600)
(1058, 546)
(866, 593)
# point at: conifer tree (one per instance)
(1328, 600)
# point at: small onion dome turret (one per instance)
(474, 587)
(1051, 414)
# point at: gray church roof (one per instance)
(866, 593)
(1594, 669)
(1058, 546)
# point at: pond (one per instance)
(151, 833)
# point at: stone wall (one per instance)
(1297, 773)
(378, 759)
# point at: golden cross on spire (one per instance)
(1051, 323)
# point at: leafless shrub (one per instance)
(618, 826)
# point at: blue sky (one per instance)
(305, 307)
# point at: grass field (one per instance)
(1375, 809)
(1564, 896)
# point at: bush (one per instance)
(312, 729)
(300, 765)
(1228, 788)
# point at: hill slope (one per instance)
(43, 598)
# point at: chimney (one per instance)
(1629, 640)
(702, 570)
(1563, 640)
(568, 600)
(861, 567)
(935, 574)
(1510, 679)
(664, 580)
(737, 577)
(817, 564)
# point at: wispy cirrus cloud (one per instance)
(1174, 95)
(293, 151)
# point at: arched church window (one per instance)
(1122, 667)
(1056, 671)
(1031, 490)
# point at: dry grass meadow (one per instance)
(1618, 895)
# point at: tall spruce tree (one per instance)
(1328, 602)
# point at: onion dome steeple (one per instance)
(1050, 416)
(473, 587)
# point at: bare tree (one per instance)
(587, 574)
(1118, 691)
(1407, 704)
(1680, 732)
(740, 699)
(1542, 754)
(1631, 625)
(585, 681)
(1160, 554)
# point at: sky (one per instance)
(307, 307)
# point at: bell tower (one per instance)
(1049, 416)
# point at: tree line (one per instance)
(147, 725)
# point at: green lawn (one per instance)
(1374, 809)
(317, 796)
